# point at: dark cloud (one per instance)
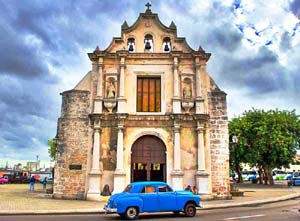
(28, 111)
(42, 39)
(260, 72)
(295, 7)
(285, 42)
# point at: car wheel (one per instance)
(132, 213)
(190, 210)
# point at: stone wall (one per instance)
(219, 144)
(72, 145)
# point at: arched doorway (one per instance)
(148, 159)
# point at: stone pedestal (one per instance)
(177, 180)
(119, 181)
(202, 182)
(187, 105)
(110, 104)
(94, 186)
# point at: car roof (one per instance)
(148, 183)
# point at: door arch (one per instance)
(148, 159)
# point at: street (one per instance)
(286, 210)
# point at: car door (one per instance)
(150, 200)
(167, 198)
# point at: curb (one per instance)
(101, 211)
(252, 203)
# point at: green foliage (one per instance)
(265, 139)
(52, 148)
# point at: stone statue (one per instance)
(106, 191)
(187, 91)
(110, 90)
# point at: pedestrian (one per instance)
(44, 182)
(194, 190)
(188, 188)
(31, 183)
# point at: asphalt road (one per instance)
(284, 211)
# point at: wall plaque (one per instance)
(75, 167)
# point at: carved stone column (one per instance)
(201, 175)
(121, 98)
(98, 99)
(95, 173)
(199, 98)
(119, 175)
(176, 98)
(177, 174)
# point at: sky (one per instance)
(255, 46)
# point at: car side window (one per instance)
(148, 189)
(162, 189)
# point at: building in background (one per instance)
(148, 110)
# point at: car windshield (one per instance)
(127, 189)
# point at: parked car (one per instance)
(289, 176)
(3, 180)
(295, 181)
(279, 175)
(249, 175)
(139, 197)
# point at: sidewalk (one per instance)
(17, 199)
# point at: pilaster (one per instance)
(119, 174)
(98, 100)
(95, 173)
(177, 174)
(121, 98)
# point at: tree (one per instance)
(266, 140)
(52, 148)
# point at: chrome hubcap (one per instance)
(131, 212)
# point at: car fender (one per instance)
(124, 203)
(183, 200)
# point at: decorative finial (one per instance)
(201, 49)
(172, 25)
(97, 50)
(148, 5)
(125, 25)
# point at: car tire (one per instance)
(190, 210)
(131, 213)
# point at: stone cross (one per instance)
(148, 5)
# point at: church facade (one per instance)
(147, 110)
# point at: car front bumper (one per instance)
(109, 210)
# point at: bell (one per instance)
(130, 48)
(147, 46)
(166, 47)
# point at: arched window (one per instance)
(148, 43)
(131, 45)
(166, 47)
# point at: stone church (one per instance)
(147, 110)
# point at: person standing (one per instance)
(44, 182)
(31, 183)
(194, 190)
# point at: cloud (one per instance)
(255, 50)
(295, 7)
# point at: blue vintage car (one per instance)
(139, 197)
(296, 181)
